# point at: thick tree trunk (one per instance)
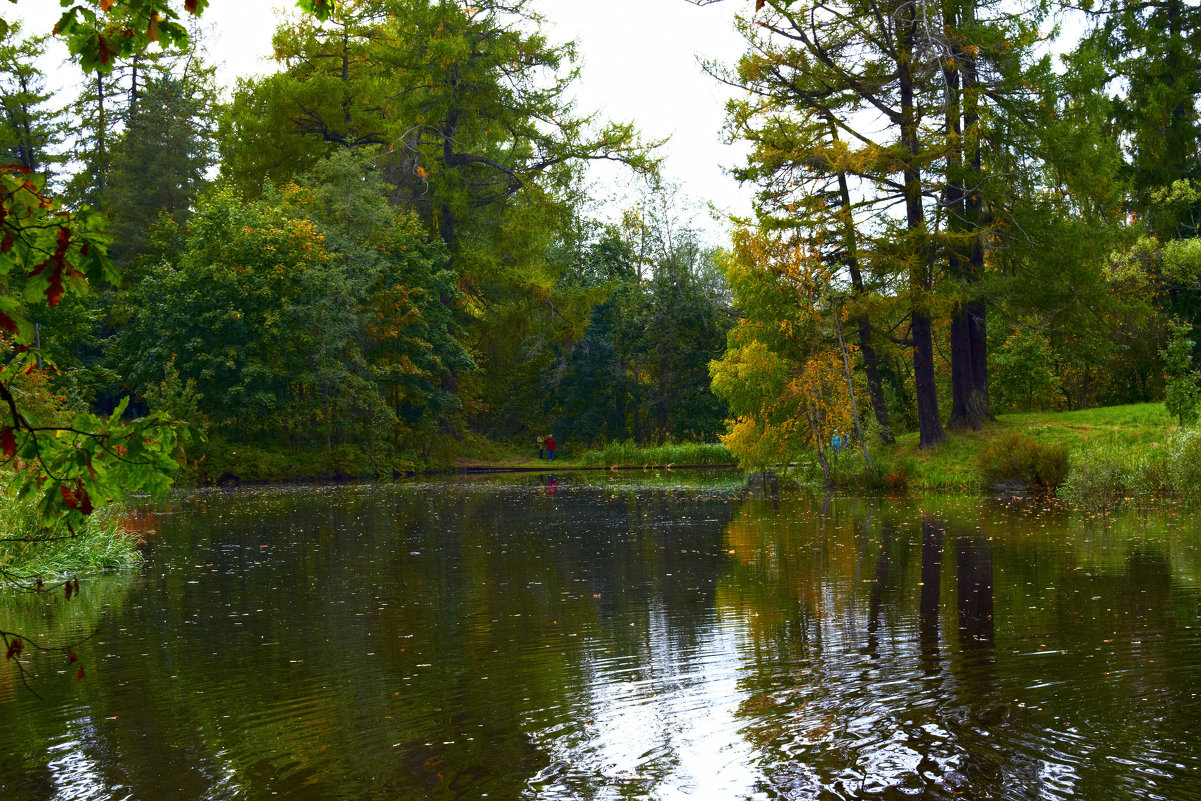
(969, 337)
(930, 432)
(976, 308)
(969, 353)
(929, 425)
(962, 380)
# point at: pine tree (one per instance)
(31, 128)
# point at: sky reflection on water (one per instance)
(614, 637)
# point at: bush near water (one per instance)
(1094, 458)
(28, 551)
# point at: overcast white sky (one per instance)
(639, 63)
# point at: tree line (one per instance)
(989, 227)
(382, 249)
(387, 248)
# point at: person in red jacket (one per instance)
(549, 444)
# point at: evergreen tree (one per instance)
(31, 129)
(1152, 52)
(159, 161)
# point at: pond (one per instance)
(606, 636)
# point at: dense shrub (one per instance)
(1017, 457)
(1104, 475)
(889, 474)
(1099, 476)
(1182, 462)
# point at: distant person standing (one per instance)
(541, 446)
(549, 442)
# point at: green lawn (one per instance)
(954, 465)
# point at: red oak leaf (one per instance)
(76, 498)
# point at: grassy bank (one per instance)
(1094, 457)
(958, 464)
(482, 453)
(26, 552)
(628, 454)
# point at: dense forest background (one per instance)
(386, 253)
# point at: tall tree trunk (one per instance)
(870, 366)
(956, 225)
(980, 403)
(22, 128)
(101, 131)
(929, 425)
(965, 259)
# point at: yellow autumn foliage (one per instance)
(783, 373)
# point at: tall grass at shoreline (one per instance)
(630, 454)
(1103, 475)
(27, 552)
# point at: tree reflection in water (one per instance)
(637, 637)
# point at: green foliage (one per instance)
(177, 398)
(1182, 462)
(330, 96)
(1022, 370)
(159, 161)
(1100, 476)
(453, 102)
(29, 549)
(30, 132)
(65, 465)
(1106, 474)
(640, 368)
(684, 454)
(226, 461)
(404, 300)
(318, 314)
(252, 312)
(1182, 382)
(1016, 457)
(1151, 55)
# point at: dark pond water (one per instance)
(619, 638)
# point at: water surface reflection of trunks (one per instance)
(931, 590)
(975, 586)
